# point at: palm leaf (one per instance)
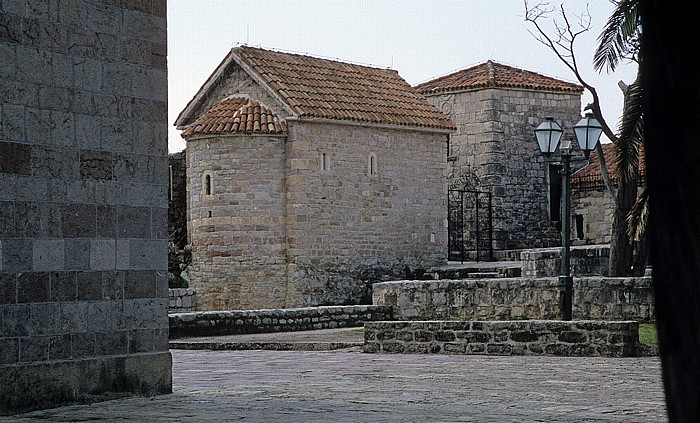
(638, 216)
(619, 37)
(630, 133)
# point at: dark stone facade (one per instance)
(83, 180)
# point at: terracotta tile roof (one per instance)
(591, 174)
(236, 115)
(492, 74)
(311, 87)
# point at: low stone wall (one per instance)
(182, 300)
(214, 323)
(535, 337)
(546, 262)
(595, 298)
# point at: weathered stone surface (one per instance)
(534, 337)
(495, 149)
(270, 237)
(517, 298)
(69, 109)
(213, 323)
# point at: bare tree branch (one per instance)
(562, 44)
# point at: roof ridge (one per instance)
(317, 57)
(495, 74)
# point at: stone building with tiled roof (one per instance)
(309, 179)
(496, 109)
(592, 204)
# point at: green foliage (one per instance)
(176, 281)
(647, 334)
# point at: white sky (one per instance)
(420, 39)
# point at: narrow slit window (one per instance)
(208, 184)
(372, 165)
(324, 162)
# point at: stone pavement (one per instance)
(348, 386)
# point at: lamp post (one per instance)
(548, 136)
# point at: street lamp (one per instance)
(549, 135)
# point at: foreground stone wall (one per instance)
(595, 298)
(214, 323)
(83, 201)
(577, 338)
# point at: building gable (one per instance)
(312, 88)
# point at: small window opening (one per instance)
(579, 226)
(207, 184)
(324, 161)
(372, 165)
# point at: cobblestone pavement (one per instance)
(348, 386)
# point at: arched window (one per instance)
(372, 165)
(207, 183)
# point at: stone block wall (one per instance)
(495, 147)
(83, 201)
(347, 227)
(596, 209)
(595, 298)
(237, 230)
(585, 260)
(182, 300)
(578, 338)
(234, 322)
(302, 221)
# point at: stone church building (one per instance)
(308, 179)
(496, 109)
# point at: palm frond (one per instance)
(638, 216)
(620, 36)
(630, 133)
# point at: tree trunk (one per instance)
(672, 142)
(621, 248)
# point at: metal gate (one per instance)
(469, 225)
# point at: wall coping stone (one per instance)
(234, 322)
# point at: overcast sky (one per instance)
(420, 39)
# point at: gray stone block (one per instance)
(148, 254)
(77, 254)
(17, 255)
(48, 254)
(102, 254)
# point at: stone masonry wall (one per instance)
(217, 323)
(595, 298)
(546, 262)
(496, 144)
(83, 202)
(596, 208)
(348, 228)
(533, 337)
(182, 300)
(237, 233)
